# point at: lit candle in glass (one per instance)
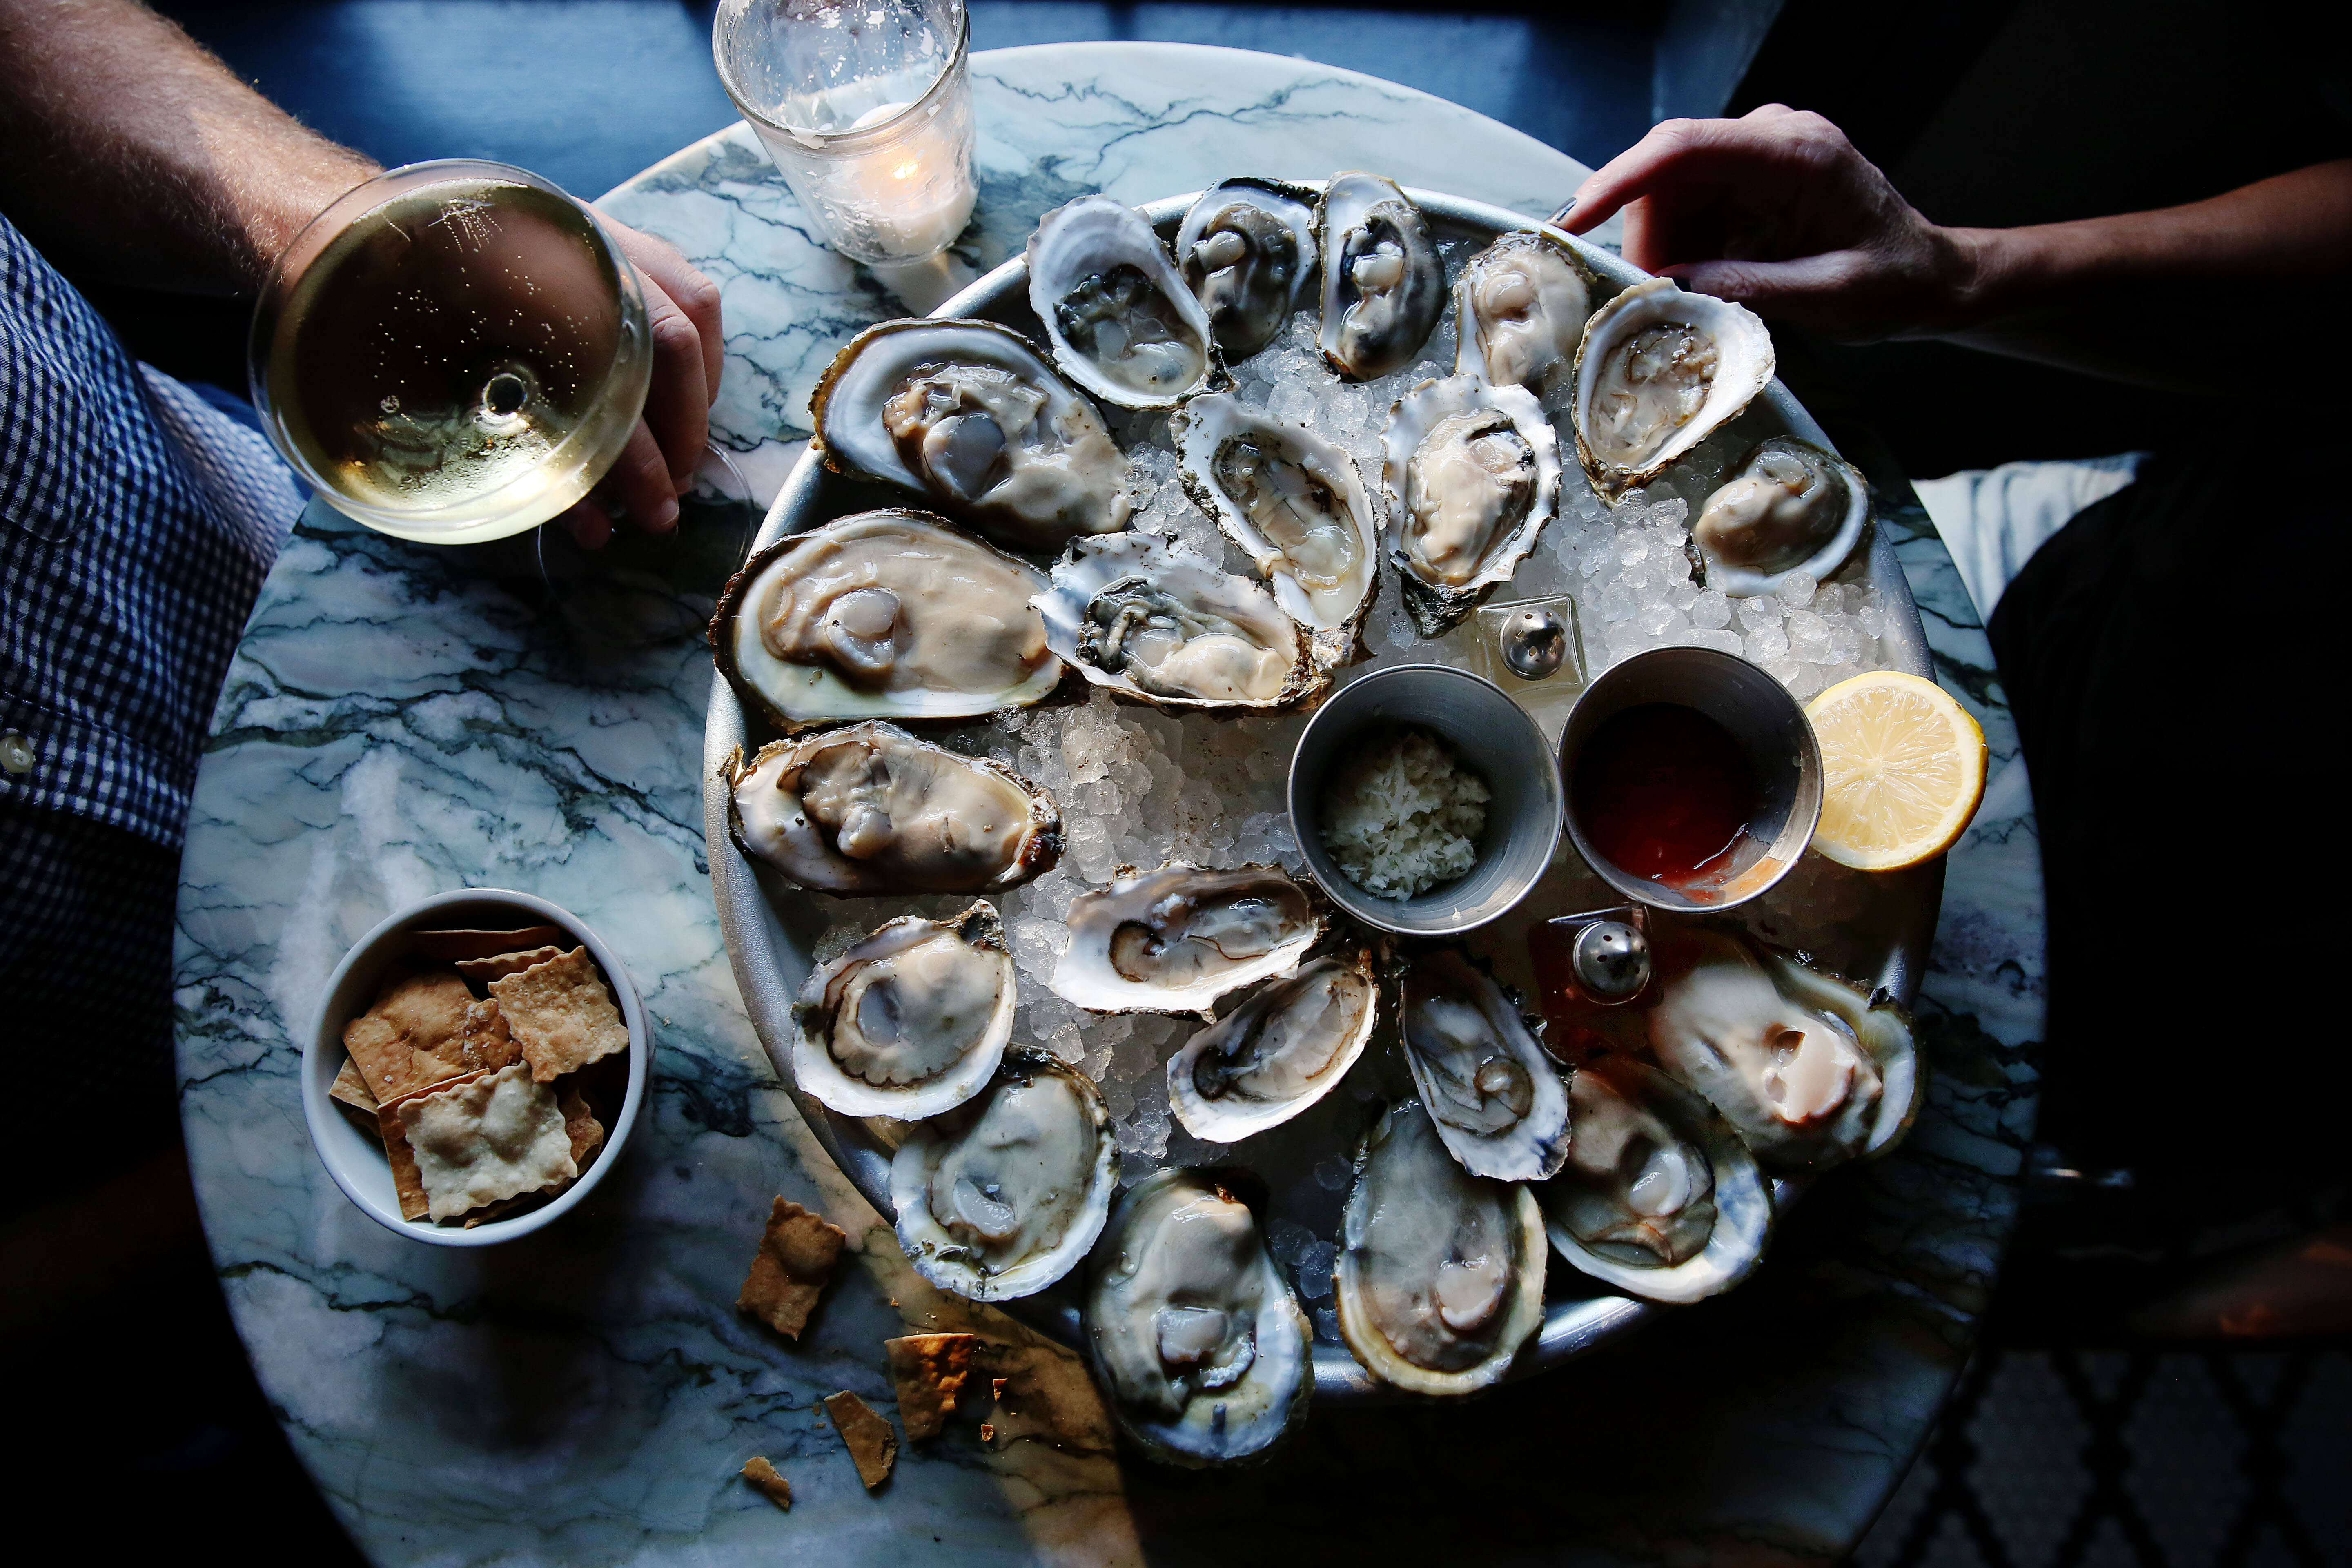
(865, 107)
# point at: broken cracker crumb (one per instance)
(996, 1387)
(796, 1255)
(872, 1442)
(987, 1432)
(770, 1485)
(930, 1371)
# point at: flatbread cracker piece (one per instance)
(873, 1443)
(796, 1255)
(448, 946)
(495, 1136)
(411, 1036)
(561, 1015)
(580, 1125)
(351, 1087)
(486, 1041)
(930, 1370)
(505, 964)
(770, 1485)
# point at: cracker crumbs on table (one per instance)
(796, 1255)
(768, 1484)
(873, 1443)
(930, 1371)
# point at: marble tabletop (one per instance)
(400, 720)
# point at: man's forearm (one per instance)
(2119, 296)
(135, 156)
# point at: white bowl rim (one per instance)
(318, 1107)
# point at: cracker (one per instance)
(580, 1125)
(351, 1087)
(561, 1015)
(497, 1135)
(486, 1041)
(770, 1485)
(505, 964)
(796, 1255)
(409, 1038)
(873, 1443)
(930, 1370)
(446, 946)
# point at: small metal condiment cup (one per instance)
(1763, 720)
(1492, 736)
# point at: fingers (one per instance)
(587, 523)
(1834, 292)
(1770, 139)
(682, 313)
(689, 290)
(639, 481)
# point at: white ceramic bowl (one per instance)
(357, 1162)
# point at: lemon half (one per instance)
(1902, 767)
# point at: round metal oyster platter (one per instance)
(770, 928)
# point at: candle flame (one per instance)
(907, 169)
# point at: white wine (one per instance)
(459, 360)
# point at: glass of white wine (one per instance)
(453, 352)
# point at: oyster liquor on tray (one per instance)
(1030, 726)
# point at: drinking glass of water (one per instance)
(865, 107)
(451, 352)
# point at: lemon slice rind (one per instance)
(1903, 768)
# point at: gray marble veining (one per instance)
(401, 720)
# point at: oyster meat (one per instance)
(1808, 1071)
(1247, 248)
(1003, 1194)
(1138, 615)
(869, 808)
(1657, 373)
(1473, 476)
(883, 615)
(1383, 281)
(1790, 507)
(1290, 499)
(1659, 1197)
(909, 1022)
(1441, 1273)
(1284, 1048)
(1175, 940)
(1121, 322)
(1519, 308)
(966, 413)
(1497, 1100)
(1200, 1346)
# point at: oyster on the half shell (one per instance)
(966, 413)
(867, 808)
(1440, 1278)
(1284, 1048)
(1290, 499)
(1122, 322)
(883, 615)
(1247, 248)
(909, 1022)
(1498, 1100)
(1808, 1071)
(1789, 507)
(1383, 281)
(1003, 1194)
(1659, 1197)
(1175, 940)
(1472, 475)
(1138, 615)
(1194, 1336)
(1519, 309)
(1657, 373)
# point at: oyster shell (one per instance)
(1471, 477)
(1293, 501)
(1121, 322)
(1441, 1273)
(1137, 614)
(869, 808)
(1247, 248)
(1003, 1194)
(1497, 1100)
(1175, 940)
(1789, 507)
(1284, 1048)
(883, 615)
(1659, 1197)
(1657, 373)
(909, 1022)
(1519, 309)
(1808, 1071)
(1383, 281)
(966, 413)
(1203, 1349)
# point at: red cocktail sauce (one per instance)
(1664, 792)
